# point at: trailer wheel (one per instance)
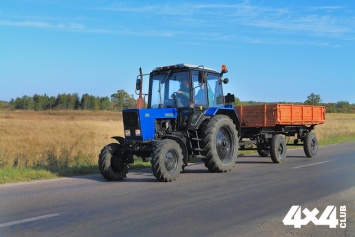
(167, 160)
(278, 149)
(111, 163)
(263, 151)
(220, 144)
(310, 144)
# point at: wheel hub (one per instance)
(170, 161)
(223, 145)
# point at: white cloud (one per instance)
(38, 24)
(214, 22)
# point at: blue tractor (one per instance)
(186, 115)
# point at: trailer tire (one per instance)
(220, 138)
(278, 149)
(310, 145)
(111, 163)
(262, 150)
(167, 160)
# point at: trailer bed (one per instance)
(270, 115)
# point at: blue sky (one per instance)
(274, 50)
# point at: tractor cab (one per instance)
(188, 88)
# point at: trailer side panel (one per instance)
(280, 114)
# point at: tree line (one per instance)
(312, 99)
(122, 100)
(338, 107)
(118, 101)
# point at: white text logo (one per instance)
(299, 218)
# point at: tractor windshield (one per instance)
(170, 89)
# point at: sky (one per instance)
(275, 51)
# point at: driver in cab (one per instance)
(183, 94)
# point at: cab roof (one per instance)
(183, 65)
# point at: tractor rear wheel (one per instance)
(310, 144)
(220, 138)
(167, 160)
(111, 162)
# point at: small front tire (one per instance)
(167, 160)
(111, 163)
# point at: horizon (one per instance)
(274, 51)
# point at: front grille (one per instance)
(130, 119)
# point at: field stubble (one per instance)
(55, 139)
(65, 142)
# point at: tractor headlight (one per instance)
(137, 132)
(127, 133)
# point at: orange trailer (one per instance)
(280, 114)
(266, 126)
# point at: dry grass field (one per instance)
(55, 138)
(336, 127)
(58, 140)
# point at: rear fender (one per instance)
(228, 111)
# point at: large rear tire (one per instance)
(310, 145)
(111, 163)
(278, 149)
(220, 138)
(167, 160)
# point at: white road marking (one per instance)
(296, 167)
(29, 220)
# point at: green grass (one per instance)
(18, 174)
(12, 175)
(337, 139)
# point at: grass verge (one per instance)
(18, 174)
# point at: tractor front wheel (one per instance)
(111, 162)
(167, 160)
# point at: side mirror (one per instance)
(225, 80)
(202, 77)
(138, 84)
(229, 98)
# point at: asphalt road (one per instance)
(251, 200)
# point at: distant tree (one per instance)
(24, 103)
(131, 102)
(120, 99)
(67, 101)
(41, 102)
(105, 103)
(51, 102)
(313, 99)
(86, 102)
(343, 107)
